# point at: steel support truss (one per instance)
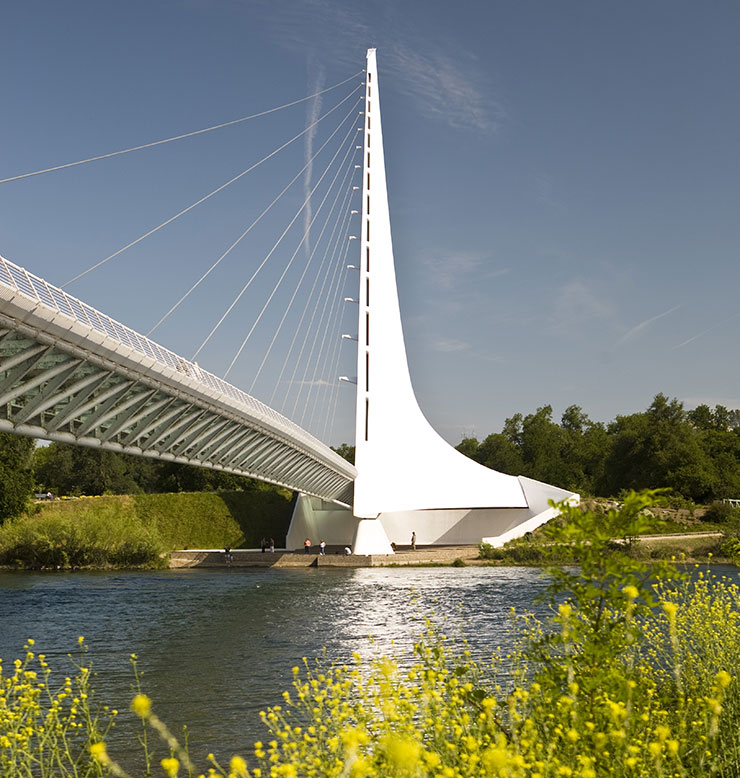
(57, 385)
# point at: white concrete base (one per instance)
(370, 538)
(319, 520)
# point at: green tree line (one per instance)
(694, 453)
(68, 470)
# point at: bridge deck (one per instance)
(69, 372)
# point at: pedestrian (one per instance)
(272, 545)
(347, 551)
(307, 545)
(263, 545)
(228, 556)
(413, 541)
(322, 548)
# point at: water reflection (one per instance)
(218, 646)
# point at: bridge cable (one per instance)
(337, 285)
(206, 197)
(331, 355)
(308, 302)
(309, 299)
(306, 232)
(277, 243)
(331, 415)
(249, 229)
(322, 274)
(178, 137)
(300, 282)
(313, 344)
(327, 310)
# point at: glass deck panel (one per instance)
(62, 304)
(20, 281)
(42, 291)
(121, 334)
(5, 275)
(78, 311)
(92, 317)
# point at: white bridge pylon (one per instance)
(409, 479)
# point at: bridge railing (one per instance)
(20, 280)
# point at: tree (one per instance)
(659, 448)
(469, 447)
(73, 470)
(499, 453)
(16, 473)
(346, 452)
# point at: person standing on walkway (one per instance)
(413, 541)
(272, 545)
(263, 545)
(307, 545)
(322, 548)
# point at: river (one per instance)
(217, 646)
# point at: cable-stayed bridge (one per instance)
(68, 372)
(72, 374)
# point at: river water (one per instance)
(217, 646)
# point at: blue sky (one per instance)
(563, 181)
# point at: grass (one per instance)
(139, 530)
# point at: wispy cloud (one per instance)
(448, 87)
(640, 328)
(313, 111)
(449, 269)
(448, 345)
(445, 89)
(577, 304)
(706, 331)
(544, 188)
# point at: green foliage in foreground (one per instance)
(634, 674)
(139, 530)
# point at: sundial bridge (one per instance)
(70, 373)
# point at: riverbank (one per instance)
(699, 547)
(125, 531)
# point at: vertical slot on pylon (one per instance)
(368, 106)
(367, 329)
(367, 234)
(368, 180)
(367, 292)
(368, 122)
(367, 260)
(368, 205)
(368, 138)
(367, 371)
(369, 77)
(367, 416)
(369, 90)
(368, 159)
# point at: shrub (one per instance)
(487, 551)
(88, 535)
(722, 513)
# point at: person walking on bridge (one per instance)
(307, 545)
